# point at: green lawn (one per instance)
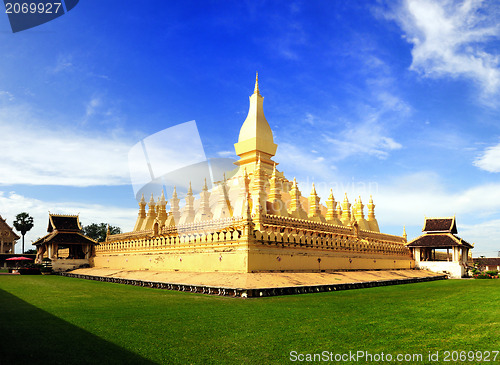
(59, 320)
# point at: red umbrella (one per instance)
(20, 258)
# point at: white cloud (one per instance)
(226, 154)
(12, 204)
(451, 39)
(365, 138)
(6, 95)
(63, 63)
(92, 106)
(409, 199)
(297, 161)
(490, 159)
(35, 152)
(485, 235)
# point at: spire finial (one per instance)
(313, 191)
(256, 89)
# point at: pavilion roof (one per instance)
(443, 224)
(65, 238)
(4, 227)
(61, 222)
(439, 240)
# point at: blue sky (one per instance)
(398, 100)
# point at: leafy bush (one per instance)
(486, 275)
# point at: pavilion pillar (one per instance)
(416, 254)
(1, 245)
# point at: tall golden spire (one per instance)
(256, 88)
(256, 137)
(372, 221)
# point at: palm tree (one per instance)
(23, 224)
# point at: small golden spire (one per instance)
(313, 191)
(256, 89)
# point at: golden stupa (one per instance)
(255, 221)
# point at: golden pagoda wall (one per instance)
(276, 244)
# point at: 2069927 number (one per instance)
(32, 8)
(479, 356)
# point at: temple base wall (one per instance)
(258, 258)
(223, 259)
(310, 260)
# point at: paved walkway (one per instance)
(258, 280)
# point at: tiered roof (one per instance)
(7, 231)
(440, 225)
(439, 233)
(64, 230)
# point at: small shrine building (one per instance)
(439, 249)
(65, 244)
(8, 237)
(255, 221)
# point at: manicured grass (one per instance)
(58, 320)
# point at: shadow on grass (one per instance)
(33, 336)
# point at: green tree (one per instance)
(98, 231)
(23, 224)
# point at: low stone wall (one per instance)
(61, 265)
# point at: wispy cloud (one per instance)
(12, 204)
(369, 135)
(305, 164)
(226, 154)
(490, 159)
(63, 63)
(362, 139)
(452, 38)
(6, 95)
(37, 152)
